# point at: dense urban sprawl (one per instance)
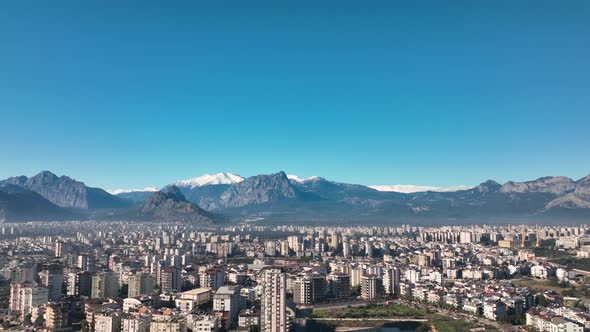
(140, 277)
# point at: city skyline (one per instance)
(294, 166)
(132, 96)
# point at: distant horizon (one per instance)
(133, 94)
(158, 187)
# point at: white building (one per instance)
(391, 281)
(202, 323)
(412, 276)
(135, 324)
(168, 323)
(227, 302)
(191, 299)
(542, 271)
(26, 295)
(371, 287)
(560, 324)
(108, 321)
(273, 301)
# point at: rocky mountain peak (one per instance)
(66, 192)
(585, 181)
(169, 204)
(172, 192)
(488, 186)
(47, 175)
(557, 185)
(258, 189)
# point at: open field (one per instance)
(389, 315)
(373, 311)
(540, 285)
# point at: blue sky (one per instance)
(128, 94)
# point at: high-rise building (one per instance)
(85, 263)
(79, 284)
(59, 248)
(412, 276)
(294, 242)
(212, 278)
(339, 284)
(346, 249)
(270, 248)
(105, 285)
(371, 287)
(309, 288)
(368, 249)
(285, 248)
(52, 277)
(334, 240)
(465, 237)
(25, 272)
(227, 303)
(171, 280)
(273, 316)
(391, 281)
(140, 284)
(356, 273)
(26, 295)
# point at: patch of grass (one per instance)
(539, 285)
(452, 325)
(574, 263)
(551, 253)
(373, 311)
(436, 322)
(314, 325)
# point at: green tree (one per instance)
(39, 321)
(542, 301)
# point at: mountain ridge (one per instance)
(279, 196)
(19, 204)
(66, 192)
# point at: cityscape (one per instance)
(294, 166)
(140, 277)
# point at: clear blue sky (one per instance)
(125, 94)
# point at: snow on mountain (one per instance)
(210, 179)
(122, 191)
(408, 188)
(300, 180)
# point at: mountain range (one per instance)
(278, 197)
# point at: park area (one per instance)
(403, 317)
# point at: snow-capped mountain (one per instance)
(210, 179)
(298, 179)
(285, 198)
(125, 191)
(409, 188)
